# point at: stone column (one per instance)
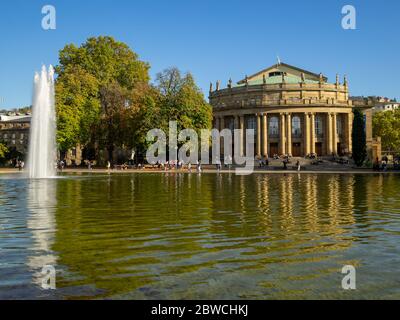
(312, 133)
(349, 127)
(288, 133)
(282, 134)
(306, 133)
(329, 134)
(222, 127)
(258, 117)
(334, 134)
(241, 143)
(265, 134)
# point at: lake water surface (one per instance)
(208, 236)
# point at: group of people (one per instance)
(20, 165)
(178, 165)
(263, 161)
(382, 165)
(286, 161)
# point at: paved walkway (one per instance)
(275, 166)
(209, 170)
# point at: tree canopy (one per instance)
(103, 97)
(3, 150)
(182, 100)
(387, 126)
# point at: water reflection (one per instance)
(41, 203)
(173, 235)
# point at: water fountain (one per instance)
(42, 144)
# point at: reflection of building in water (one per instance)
(314, 203)
(41, 221)
(311, 201)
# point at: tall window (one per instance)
(318, 126)
(296, 126)
(273, 126)
(231, 124)
(251, 124)
(339, 127)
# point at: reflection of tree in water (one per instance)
(134, 233)
(120, 233)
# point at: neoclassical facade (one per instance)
(293, 112)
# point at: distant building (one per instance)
(377, 104)
(14, 131)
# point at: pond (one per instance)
(200, 236)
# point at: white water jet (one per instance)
(42, 142)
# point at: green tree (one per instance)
(387, 126)
(78, 107)
(182, 101)
(359, 138)
(103, 96)
(107, 60)
(86, 75)
(3, 151)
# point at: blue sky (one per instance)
(212, 39)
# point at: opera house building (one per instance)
(293, 111)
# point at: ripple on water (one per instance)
(163, 236)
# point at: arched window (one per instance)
(319, 130)
(273, 126)
(296, 126)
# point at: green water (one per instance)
(208, 236)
